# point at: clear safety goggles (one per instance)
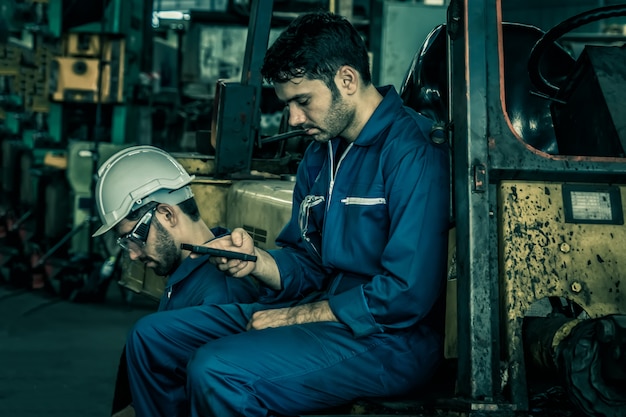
(135, 240)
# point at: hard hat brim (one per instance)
(163, 196)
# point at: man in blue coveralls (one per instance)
(351, 301)
(143, 195)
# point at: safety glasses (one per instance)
(135, 240)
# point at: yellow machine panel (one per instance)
(196, 164)
(262, 208)
(76, 78)
(563, 241)
(210, 195)
(545, 253)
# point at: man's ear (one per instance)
(347, 79)
(168, 215)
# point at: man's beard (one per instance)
(336, 121)
(169, 254)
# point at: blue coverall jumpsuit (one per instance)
(196, 281)
(372, 240)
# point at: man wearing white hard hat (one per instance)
(143, 195)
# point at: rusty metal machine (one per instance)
(540, 178)
(79, 76)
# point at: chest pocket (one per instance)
(366, 221)
(364, 201)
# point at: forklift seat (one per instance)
(425, 86)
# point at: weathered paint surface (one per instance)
(543, 256)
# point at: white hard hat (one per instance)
(134, 177)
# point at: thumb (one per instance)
(237, 237)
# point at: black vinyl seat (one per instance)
(425, 86)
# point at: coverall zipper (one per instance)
(334, 171)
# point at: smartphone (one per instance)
(217, 252)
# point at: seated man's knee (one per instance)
(201, 368)
(210, 367)
(143, 331)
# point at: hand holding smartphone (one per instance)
(203, 250)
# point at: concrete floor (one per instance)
(59, 358)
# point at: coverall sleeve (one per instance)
(414, 258)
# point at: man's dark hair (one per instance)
(315, 46)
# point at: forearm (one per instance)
(314, 312)
(305, 313)
(266, 270)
